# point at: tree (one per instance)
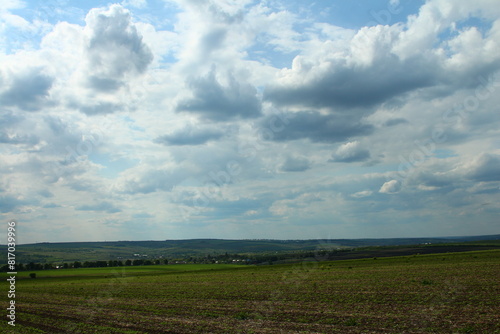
(77, 264)
(101, 264)
(89, 264)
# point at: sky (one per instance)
(278, 119)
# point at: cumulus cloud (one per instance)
(390, 187)
(380, 64)
(350, 152)
(27, 89)
(364, 75)
(215, 101)
(114, 48)
(317, 127)
(100, 62)
(350, 87)
(215, 32)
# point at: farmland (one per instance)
(435, 293)
(204, 248)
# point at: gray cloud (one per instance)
(103, 206)
(142, 215)
(212, 41)
(153, 180)
(82, 185)
(295, 164)
(28, 90)
(431, 179)
(104, 84)
(485, 168)
(190, 136)
(9, 203)
(317, 127)
(212, 100)
(51, 206)
(13, 128)
(8, 118)
(395, 121)
(6, 138)
(99, 108)
(45, 193)
(350, 86)
(231, 208)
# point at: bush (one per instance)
(351, 322)
(33, 275)
(242, 316)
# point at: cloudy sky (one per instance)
(176, 119)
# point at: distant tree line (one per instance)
(259, 258)
(86, 264)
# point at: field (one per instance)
(183, 249)
(127, 271)
(438, 293)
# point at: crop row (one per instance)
(428, 294)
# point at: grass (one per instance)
(351, 296)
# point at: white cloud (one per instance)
(361, 194)
(351, 152)
(114, 48)
(390, 187)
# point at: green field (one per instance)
(69, 252)
(438, 293)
